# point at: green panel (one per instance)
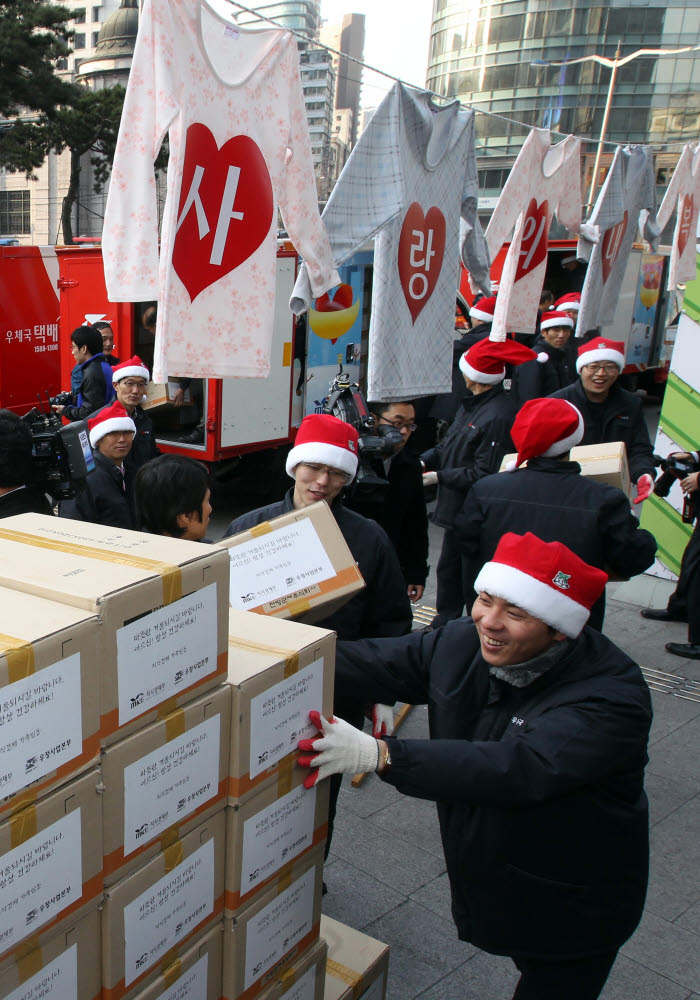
(691, 300)
(665, 524)
(680, 413)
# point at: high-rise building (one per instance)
(348, 37)
(494, 56)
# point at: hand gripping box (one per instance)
(49, 696)
(268, 835)
(357, 965)
(193, 975)
(149, 915)
(162, 603)
(66, 967)
(50, 864)
(304, 979)
(279, 671)
(164, 780)
(604, 463)
(297, 565)
(272, 931)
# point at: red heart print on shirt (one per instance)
(612, 241)
(225, 209)
(421, 249)
(533, 243)
(686, 217)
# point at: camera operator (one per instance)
(684, 602)
(16, 496)
(96, 388)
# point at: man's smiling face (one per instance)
(508, 634)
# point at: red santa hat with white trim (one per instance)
(325, 439)
(111, 418)
(572, 300)
(485, 362)
(545, 428)
(554, 318)
(484, 309)
(546, 579)
(134, 366)
(601, 349)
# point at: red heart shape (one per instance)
(686, 217)
(612, 241)
(421, 250)
(533, 243)
(225, 208)
(342, 299)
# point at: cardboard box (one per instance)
(304, 979)
(159, 649)
(357, 966)
(268, 835)
(604, 463)
(49, 696)
(66, 967)
(193, 975)
(160, 394)
(272, 932)
(164, 780)
(297, 565)
(50, 864)
(172, 899)
(279, 671)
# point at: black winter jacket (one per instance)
(554, 501)
(25, 500)
(539, 789)
(473, 448)
(102, 501)
(535, 379)
(620, 419)
(382, 608)
(400, 509)
(96, 389)
(143, 447)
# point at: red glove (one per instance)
(339, 748)
(382, 720)
(645, 485)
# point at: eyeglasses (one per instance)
(128, 384)
(399, 425)
(334, 474)
(607, 367)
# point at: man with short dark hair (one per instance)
(130, 379)
(16, 495)
(172, 496)
(107, 334)
(96, 389)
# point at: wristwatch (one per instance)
(387, 760)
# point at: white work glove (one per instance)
(341, 749)
(645, 486)
(430, 479)
(382, 720)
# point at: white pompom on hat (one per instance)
(555, 318)
(601, 349)
(546, 579)
(484, 309)
(326, 440)
(134, 366)
(546, 428)
(111, 418)
(485, 362)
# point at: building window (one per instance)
(14, 213)
(95, 14)
(79, 17)
(95, 38)
(61, 64)
(79, 40)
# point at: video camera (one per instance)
(346, 402)
(61, 455)
(674, 469)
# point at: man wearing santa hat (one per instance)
(474, 447)
(106, 497)
(533, 380)
(611, 413)
(536, 756)
(130, 380)
(554, 501)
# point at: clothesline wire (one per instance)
(414, 86)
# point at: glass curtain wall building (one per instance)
(483, 54)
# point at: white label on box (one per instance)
(279, 717)
(41, 724)
(40, 878)
(165, 652)
(304, 988)
(277, 564)
(279, 926)
(168, 911)
(165, 786)
(192, 985)
(56, 981)
(277, 834)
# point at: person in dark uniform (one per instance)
(535, 379)
(611, 413)
(473, 448)
(107, 334)
(130, 380)
(551, 499)
(684, 602)
(446, 405)
(106, 497)
(17, 495)
(95, 388)
(536, 757)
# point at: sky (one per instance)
(397, 35)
